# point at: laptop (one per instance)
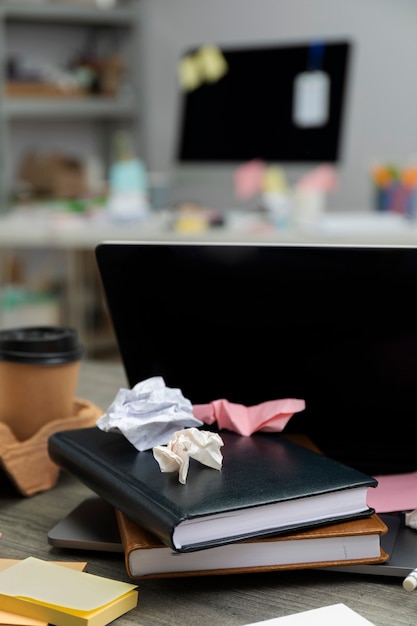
(335, 325)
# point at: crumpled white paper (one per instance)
(149, 413)
(201, 445)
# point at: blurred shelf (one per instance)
(75, 108)
(100, 115)
(67, 12)
(47, 104)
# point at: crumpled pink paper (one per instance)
(270, 416)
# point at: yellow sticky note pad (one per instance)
(60, 595)
(11, 619)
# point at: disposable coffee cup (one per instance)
(39, 369)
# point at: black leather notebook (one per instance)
(266, 485)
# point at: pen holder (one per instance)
(396, 198)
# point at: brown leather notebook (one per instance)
(347, 543)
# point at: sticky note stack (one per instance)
(63, 596)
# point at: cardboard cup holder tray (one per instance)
(27, 462)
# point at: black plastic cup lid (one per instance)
(44, 345)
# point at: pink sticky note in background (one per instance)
(322, 178)
(395, 492)
(248, 179)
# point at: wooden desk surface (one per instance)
(226, 600)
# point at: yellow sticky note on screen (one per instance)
(189, 76)
(212, 63)
(207, 64)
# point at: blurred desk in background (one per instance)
(70, 240)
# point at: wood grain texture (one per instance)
(228, 600)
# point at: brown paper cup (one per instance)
(39, 370)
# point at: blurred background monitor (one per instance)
(283, 104)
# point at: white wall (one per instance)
(381, 122)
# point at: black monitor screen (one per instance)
(275, 103)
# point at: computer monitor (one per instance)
(282, 103)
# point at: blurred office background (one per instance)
(125, 56)
(380, 115)
(380, 121)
